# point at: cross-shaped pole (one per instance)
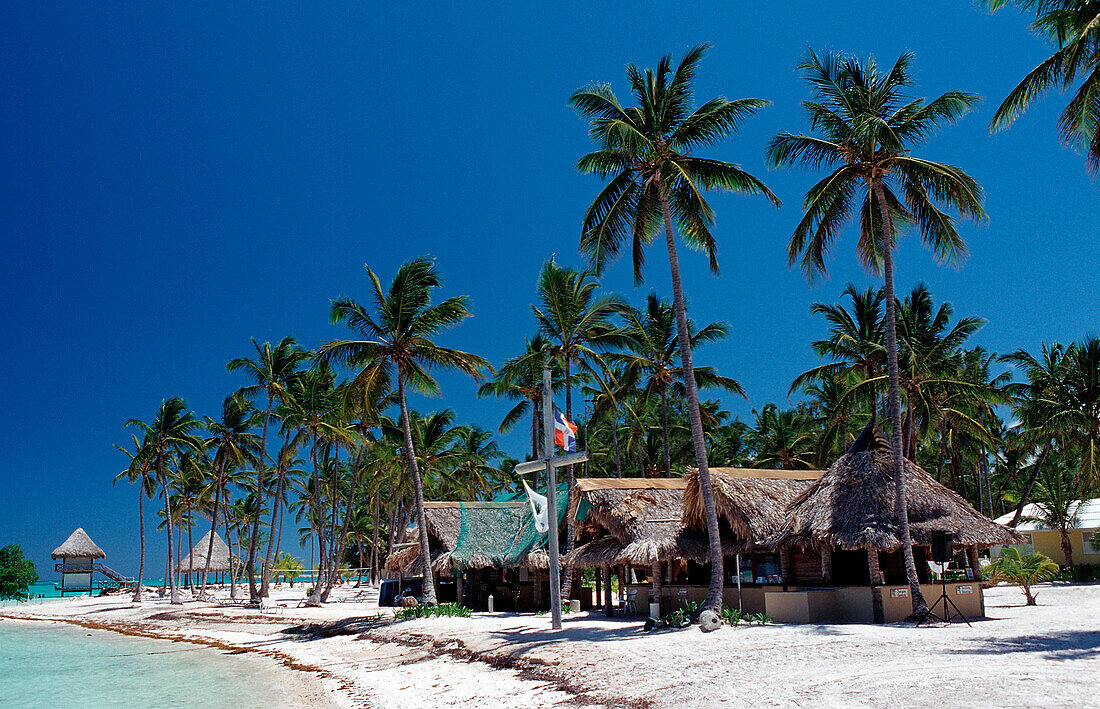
(550, 462)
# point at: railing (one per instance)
(101, 568)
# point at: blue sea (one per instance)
(53, 664)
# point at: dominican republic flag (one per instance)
(565, 432)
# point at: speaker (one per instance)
(941, 547)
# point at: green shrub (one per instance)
(760, 618)
(436, 611)
(16, 574)
(1023, 570)
(730, 616)
(1082, 573)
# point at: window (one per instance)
(1089, 542)
(766, 568)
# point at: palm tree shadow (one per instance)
(1062, 645)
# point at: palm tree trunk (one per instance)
(340, 541)
(615, 442)
(664, 431)
(253, 592)
(418, 493)
(141, 537)
(1067, 548)
(175, 598)
(213, 524)
(232, 566)
(1030, 484)
(276, 506)
(317, 521)
(190, 555)
(567, 580)
(714, 592)
(920, 606)
(374, 573)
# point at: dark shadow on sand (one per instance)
(1062, 645)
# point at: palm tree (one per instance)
(867, 129)
(577, 321)
(1074, 26)
(138, 471)
(396, 344)
(782, 439)
(1058, 494)
(520, 379)
(646, 150)
(234, 445)
(269, 372)
(651, 358)
(171, 432)
(1023, 570)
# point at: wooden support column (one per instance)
(785, 566)
(458, 586)
(826, 563)
(875, 573)
(607, 595)
(658, 572)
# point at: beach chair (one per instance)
(272, 608)
(631, 606)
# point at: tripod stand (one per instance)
(947, 616)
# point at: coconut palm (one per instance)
(782, 439)
(139, 471)
(520, 379)
(866, 130)
(647, 151)
(172, 431)
(576, 320)
(1023, 570)
(1058, 495)
(234, 446)
(269, 371)
(651, 358)
(396, 344)
(1074, 26)
(286, 567)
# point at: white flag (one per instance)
(538, 509)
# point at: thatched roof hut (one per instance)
(475, 535)
(634, 520)
(195, 561)
(78, 546)
(753, 502)
(852, 507)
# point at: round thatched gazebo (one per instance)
(195, 562)
(78, 554)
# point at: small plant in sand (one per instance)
(730, 616)
(1023, 570)
(433, 611)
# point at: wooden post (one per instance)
(658, 572)
(876, 590)
(785, 566)
(826, 563)
(607, 594)
(458, 586)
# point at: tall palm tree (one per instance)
(651, 358)
(138, 471)
(782, 439)
(1059, 494)
(234, 445)
(577, 320)
(269, 371)
(1074, 26)
(866, 130)
(520, 379)
(396, 344)
(647, 151)
(172, 431)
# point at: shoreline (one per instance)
(351, 650)
(310, 683)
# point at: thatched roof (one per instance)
(852, 507)
(195, 561)
(752, 501)
(78, 546)
(475, 535)
(636, 521)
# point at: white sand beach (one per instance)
(1019, 657)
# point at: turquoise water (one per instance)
(51, 665)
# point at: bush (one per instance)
(436, 611)
(1082, 573)
(1023, 570)
(16, 574)
(730, 616)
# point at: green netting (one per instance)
(499, 533)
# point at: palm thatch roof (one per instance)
(635, 521)
(195, 561)
(752, 501)
(852, 507)
(78, 546)
(475, 535)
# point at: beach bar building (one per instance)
(480, 549)
(78, 555)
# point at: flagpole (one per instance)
(551, 498)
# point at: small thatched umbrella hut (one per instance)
(849, 516)
(195, 562)
(481, 549)
(78, 554)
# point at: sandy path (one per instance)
(1047, 655)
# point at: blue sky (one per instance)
(177, 180)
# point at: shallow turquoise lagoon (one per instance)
(51, 665)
